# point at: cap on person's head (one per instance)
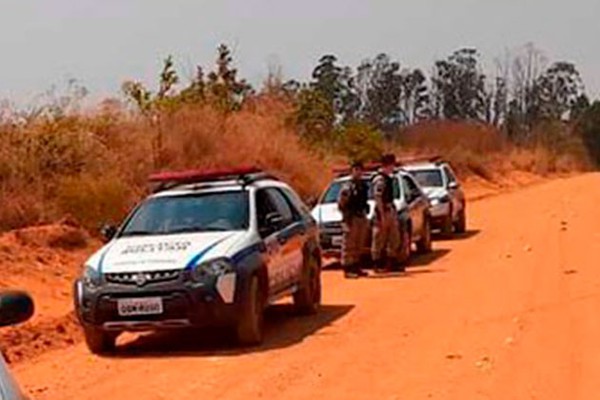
(357, 164)
(388, 160)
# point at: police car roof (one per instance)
(422, 166)
(207, 181)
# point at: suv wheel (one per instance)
(308, 297)
(461, 224)
(99, 341)
(424, 244)
(447, 225)
(251, 323)
(406, 242)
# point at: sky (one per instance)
(102, 43)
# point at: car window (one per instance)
(282, 205)
(410, 187)
(333, 191)
(264, 207)
(450, 175)
(219, 211)
(299, 209)
(428, 177)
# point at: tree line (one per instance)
(378, 98)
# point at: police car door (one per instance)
(415, 202)
(290, 238)
(271, 223)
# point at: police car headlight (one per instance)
(215, 268)
(91, 277)
(440, 200)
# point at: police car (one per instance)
(409, 199)
(208, 248)
(448, 203)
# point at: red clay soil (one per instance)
(507, 311)
(44, 261)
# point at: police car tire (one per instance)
(307, 298)
(250, 326)
(424, 243)
(461, 224)
(98, 341)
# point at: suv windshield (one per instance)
(333, 191)
(221, 211)
(429, 177)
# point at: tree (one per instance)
(314, 116)
(336, 85)
(415, 96)
(589, 128)
(360, 142)
(560, 91)
(459, 86)
(153, 106)
(379, 82)
(223, 87)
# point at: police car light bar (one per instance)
(245, 174)
(345, 170)
(416, 159)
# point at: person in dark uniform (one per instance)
(386, 233)
(353, 204)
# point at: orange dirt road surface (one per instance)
(509, 311)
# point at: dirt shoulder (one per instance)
(507, 311)
(45, 260)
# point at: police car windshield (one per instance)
(332, 193)
(428, 177)
(220, 211)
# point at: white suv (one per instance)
(409, 199)
(448, 203)
(207, 248)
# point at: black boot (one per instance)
(380, 265)
(350, 271)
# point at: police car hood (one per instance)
(165, 252)
(434, 192)
(325, 213)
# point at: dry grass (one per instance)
(481, 150)
(93, 168)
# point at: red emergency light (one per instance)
(416, 159)
(197, 175)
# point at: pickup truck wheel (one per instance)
(424, 244)
(461, 224)
(307, 299)
(251, 324)
(98, 341)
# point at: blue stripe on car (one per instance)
(240, 255)
(196, 259)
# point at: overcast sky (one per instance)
(104, 42)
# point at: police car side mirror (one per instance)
(453, 185)
(108, 231)
(15, 307)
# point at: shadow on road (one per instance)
(283, 329)
(456, 236)
(423, 260)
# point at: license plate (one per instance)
(142, 306)
(336, 240)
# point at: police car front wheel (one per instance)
(98, 341)
(250, 325)
(308, 297)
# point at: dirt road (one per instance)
(510, 311)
